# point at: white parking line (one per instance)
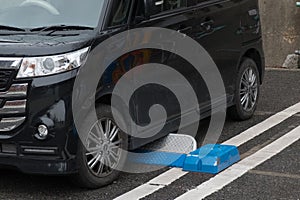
(229, 175)
(263, 126)
(172, 175)
(153, 185)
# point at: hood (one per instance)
(42, 45)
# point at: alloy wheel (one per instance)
(248, 89)
(103, 149)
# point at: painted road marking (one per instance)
(173, 174)
(263, 126)
(239, 169)
(153, 185)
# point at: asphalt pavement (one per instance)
(275, 178)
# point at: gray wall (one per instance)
(281, 29)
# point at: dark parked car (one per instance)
(43, 44)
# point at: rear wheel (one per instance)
(247, 91)
(102, 157)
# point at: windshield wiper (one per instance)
(11, 28)
(60, 28)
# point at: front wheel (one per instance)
(247, 90)
(102, 155)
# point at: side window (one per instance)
(119, 12)
(168, 5)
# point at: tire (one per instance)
(247, 91)
(95, 173)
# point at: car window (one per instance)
(36, 13)
(119, 12)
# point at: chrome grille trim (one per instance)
(16, 90)
(13, 99)
(10, 63)
(14, 107)
(8, 124)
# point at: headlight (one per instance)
(48, 65)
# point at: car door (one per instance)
(175, 15)
(217, 29)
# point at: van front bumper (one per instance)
(39, 165)
(48, 102)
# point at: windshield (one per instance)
(29, 14)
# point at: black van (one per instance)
(43, 44)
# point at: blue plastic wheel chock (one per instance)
(211, 158)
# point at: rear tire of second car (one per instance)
(247, 91)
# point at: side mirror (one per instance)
(142, 12)
(153, 7)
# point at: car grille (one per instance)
(12, 95)
(6, 77)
